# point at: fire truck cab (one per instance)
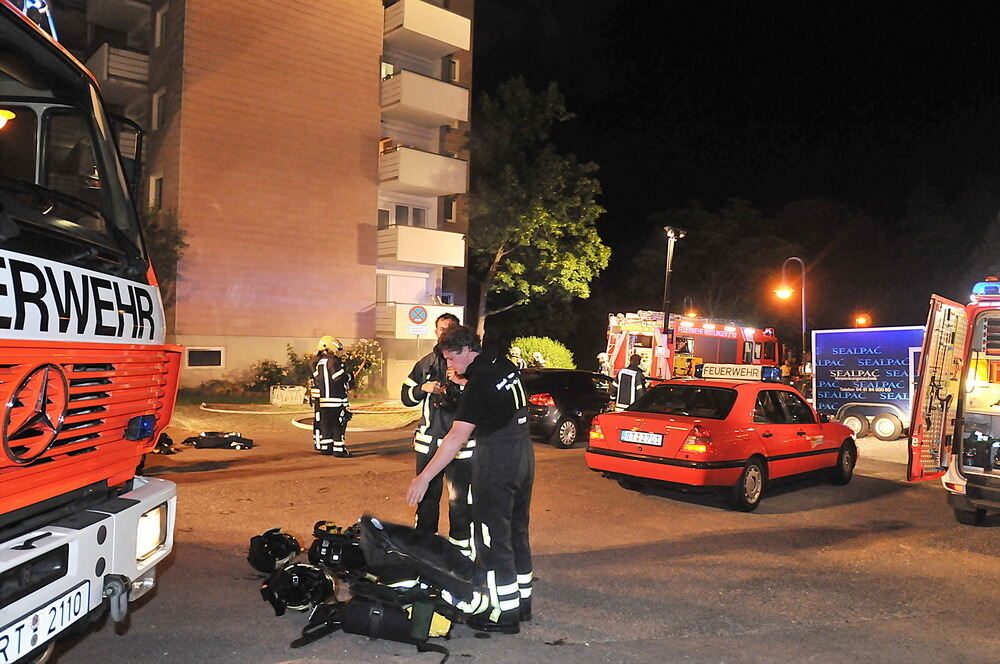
(686, 341)
(955, 425)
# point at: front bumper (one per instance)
(663, 469)
(100, 543)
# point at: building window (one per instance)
(452, 71)
(402, 215)
(419, 217)
(448, 208)
(205, 357)
(383, 219)
(156, 192)
(160, 26)
(159, 108)
(388, 69)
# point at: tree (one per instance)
(164, 239)
(533, 211)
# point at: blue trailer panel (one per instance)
(866, 372)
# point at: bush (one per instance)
(556, 355)
(299, 368)
(264, 374)
(364, 360)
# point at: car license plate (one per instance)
(42, 625)
(642, 437)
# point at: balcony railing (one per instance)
(120, 71)
(399, 320)
(420, 28)
(131, 16)
(411, 171)
(409, 245)
(423, 100)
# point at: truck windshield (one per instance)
(980, 434)
(61, 183)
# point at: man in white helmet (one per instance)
(331, 380)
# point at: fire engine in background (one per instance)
(955, 426)
(687, 341)
(86, 381)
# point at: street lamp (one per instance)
(688, 307)
(862, 320)
(784, 292)
(673, 234)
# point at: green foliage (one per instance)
(364, 359)
(556, 355)
(533, 211)
(164, 239)
(299, 367)
(264, 374)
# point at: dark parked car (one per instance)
(562, 402)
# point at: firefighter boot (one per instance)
(509, 623)
(524, 611)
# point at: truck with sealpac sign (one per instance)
(86, 380)
(864, 377)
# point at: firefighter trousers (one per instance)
(328, 429)
(459, 476)
(503, 470)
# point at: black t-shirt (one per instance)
(493, 396)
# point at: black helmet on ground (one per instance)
(299, 587)
(272, 549)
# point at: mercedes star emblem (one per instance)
(35, 413)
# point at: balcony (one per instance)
(122, 15)
(423, 100)
(420, 28)
(398, 320)
(122, 73)
(411, 171)
(426, 247)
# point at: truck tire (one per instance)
(887, 427)
(857, 423)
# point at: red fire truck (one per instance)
(955, 416)
(687, 341)
(86, 381)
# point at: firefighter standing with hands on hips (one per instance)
(331, 380)
(494, 407)
(429, 386)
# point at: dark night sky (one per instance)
(764, 100)
(767, 100)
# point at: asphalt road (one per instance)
(877, 571)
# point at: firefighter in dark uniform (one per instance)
(429, 387)
(631, 382)
(494, 407)
(331, 380)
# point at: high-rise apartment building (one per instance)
(314, 152)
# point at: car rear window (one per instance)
(689, 400)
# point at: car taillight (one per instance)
(541, 400)
(698, 441)
(596, 432)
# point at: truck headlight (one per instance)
(151, 532)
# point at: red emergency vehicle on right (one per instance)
(955, 425)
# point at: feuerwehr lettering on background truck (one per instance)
(864, 377)
(86, 382)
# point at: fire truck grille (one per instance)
(101, 393)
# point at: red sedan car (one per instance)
(731, 434)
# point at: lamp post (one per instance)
(673, 234)
(785, 292)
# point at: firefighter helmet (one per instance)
(329, 343)
(272, 549)
(298, 586)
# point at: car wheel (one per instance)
(887, 427)
(970, 517)
(844, 470)
(566, 432)
(858, 424)
(749, 489)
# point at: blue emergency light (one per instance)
(988, 289)
(140, 427)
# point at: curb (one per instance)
(308, 427)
